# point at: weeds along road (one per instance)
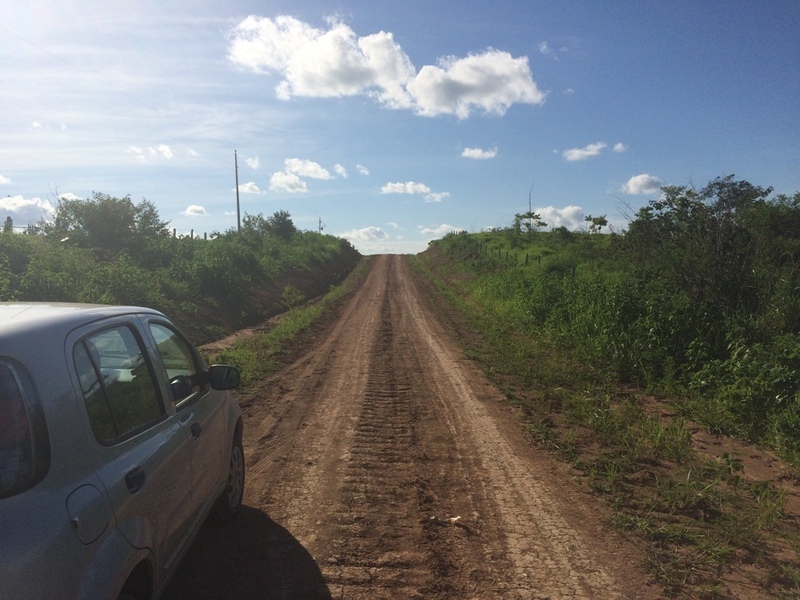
(381, 464)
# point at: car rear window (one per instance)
(16, 436)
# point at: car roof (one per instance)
(18, 317)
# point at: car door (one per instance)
(200, 412)
(141, 455)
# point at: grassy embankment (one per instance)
(553, 318)
(262, 353)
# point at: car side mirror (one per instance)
(223, 377)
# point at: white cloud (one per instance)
(405, 188)
(249, 188)
(413, 188)
(4, 180)
(642, 184)
(193, 210)
(362, 170)
(290, 179)
(336, 63)
(340, 171)
(162, 150)
(478, 153)
(620, 147)
(306, 168)
(570, 216)
(439, 231)
(25, 211)
(252, 162)
(393, 225)
(287, 182)
(544, 48)
(367, 234)
(138, 154)
(583, 153)
(436, 196)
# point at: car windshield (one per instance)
(16, 442)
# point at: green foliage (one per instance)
(113, 251)
(560, 320)
(106, 223)
(700, 297)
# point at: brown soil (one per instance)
(382, 464)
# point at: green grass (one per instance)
(260, 355)
(696, 516)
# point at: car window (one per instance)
(16, 439)
(178, 360)
(119, 389)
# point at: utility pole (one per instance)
(238, 216)
(530, 210)
(321, 226)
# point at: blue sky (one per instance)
(393, 122)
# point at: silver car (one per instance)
(116, 442)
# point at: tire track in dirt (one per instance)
(380, 465)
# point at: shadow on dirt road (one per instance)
(252, 558)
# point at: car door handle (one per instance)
(135, 480)
(196, 430)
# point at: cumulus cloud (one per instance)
(439, 231)
(584, 153)
(252, 162)
(478, 153)
(4, 180)
(287, 182)
(340, 171)
(193, 210)
(162, 150)
(306, 168)
(436, 196)
(642, 184)
(362, 170)
(291, 178)
(570, 216)
(249, 188)
(335, 62)
(367, 234)
(620, 147)
(405, 188)
(25, 211)
(413, 188)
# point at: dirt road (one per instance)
(381, 464)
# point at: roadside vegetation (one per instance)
(274, 344)
(619, 348)
(113, 251)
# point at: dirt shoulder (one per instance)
(382, 464)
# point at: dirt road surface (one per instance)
(381, 464)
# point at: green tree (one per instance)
(280, 225)
(596, 223)
(106, 222)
